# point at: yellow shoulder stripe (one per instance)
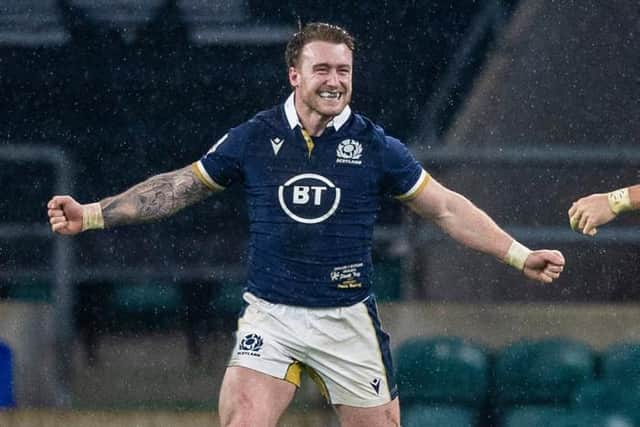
(205, 178)
(420, 185)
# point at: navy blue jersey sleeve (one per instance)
(403, 175)
(221, 166)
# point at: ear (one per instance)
(294, 77)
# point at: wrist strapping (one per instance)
(517, 255)
(619, 200)
(92, 216)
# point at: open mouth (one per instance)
(331, 95)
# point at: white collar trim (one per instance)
(292, 116)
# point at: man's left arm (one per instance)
(472, 227)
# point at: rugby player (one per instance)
(314, 174)
(590, 212)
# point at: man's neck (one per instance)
(315, 124)
(311, 121)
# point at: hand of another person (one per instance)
(590, 212)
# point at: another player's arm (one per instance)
(472, 227)
(594, 210)
(155, 198)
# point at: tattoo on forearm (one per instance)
(158, 197)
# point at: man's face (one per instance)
(323, 78)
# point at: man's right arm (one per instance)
(155, 198)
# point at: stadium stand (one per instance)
(542, 372)
(31, 24)
(442, 378)
(420, 415)
(621, 362)
(561, 417)
(610, 397)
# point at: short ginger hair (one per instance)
(315, 31)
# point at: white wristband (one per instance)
(619, 200)
(517, 255)
(92, 216)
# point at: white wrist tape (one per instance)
(517, 255)
(92, 216)
(619, 200)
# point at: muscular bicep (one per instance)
(433, 202)
(158, 197)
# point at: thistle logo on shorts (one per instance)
(309, 198)
(349, 151)
(251, 344)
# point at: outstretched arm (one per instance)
(158, 197)
(595, 210)
(472, 227)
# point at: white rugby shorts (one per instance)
(343, 349)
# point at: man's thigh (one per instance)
(251, 398)
(350, 353)
(387, 415)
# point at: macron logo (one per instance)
(376, 385)
(276, 144)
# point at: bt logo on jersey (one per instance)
(301, 194)
(309, 198)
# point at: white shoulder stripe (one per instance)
(217, 144)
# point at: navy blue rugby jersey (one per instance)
(312, 201)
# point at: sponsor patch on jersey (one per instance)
(347, 276)
(349, 151)
(309, 198)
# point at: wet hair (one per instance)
(315, 31)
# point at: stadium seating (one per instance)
(438, 416)
(31, 291)
(610, 397)
(562, 417)
(146, 305)
(537, 383)
(621, 362)
(227, 299)
(387, 278)
(542, 372)
(442, 371)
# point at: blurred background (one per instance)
(521, 105)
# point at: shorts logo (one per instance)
(309, 198)
(376, 385)
(251, 344)
(349, 151)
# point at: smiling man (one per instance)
(314, 174)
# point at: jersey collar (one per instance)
(292, 116)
